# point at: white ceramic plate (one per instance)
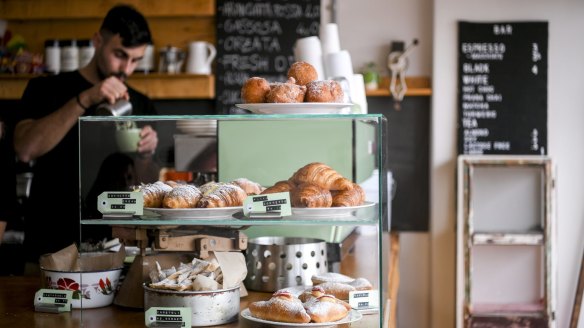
(298, 108)
(320, 212)
(351, 317)
(192, 213)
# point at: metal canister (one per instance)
(274, 263)
(120, 108)
(209, 308)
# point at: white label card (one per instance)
(168, 317)
(53, 300)
(277, 204)
(120, 202)
(364, 299)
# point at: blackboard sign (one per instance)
(502, 77)
(256, 38)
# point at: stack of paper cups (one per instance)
(309, 50)
(358, 94)
(329, 37)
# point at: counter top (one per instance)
(17, 296)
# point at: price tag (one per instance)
(168, 317)
(364, 299)
(53, 300)
(274, 205)
(120, 203)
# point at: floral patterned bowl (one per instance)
(91, 289)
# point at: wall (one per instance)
(366, 29)
(565, 134)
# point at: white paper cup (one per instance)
(329, 38)
(358, 94)
(338, 64)
(309, 50)
(127, 140)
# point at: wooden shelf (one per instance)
(155, 85)
(75, 9)
(417, 86)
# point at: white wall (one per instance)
(565, 117)
(367, 27)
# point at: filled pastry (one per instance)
(282, 307)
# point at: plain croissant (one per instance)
(310, 195)
(321, 175)
(350, 197)
(280, 186)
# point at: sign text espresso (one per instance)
(502, 88)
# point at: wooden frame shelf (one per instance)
(155, 85)
(417, 86)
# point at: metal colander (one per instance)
(274, 263)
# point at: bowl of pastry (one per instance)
(198, 285)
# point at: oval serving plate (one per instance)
(298, 108)
(191, 213)
(351, 317)
(320, 212)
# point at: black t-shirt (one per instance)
(52, 215)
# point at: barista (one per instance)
(47, 132)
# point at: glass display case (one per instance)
(264, 149)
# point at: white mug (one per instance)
(201, 55)
(309, 50)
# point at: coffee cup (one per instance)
(128, 139)
(201, 55)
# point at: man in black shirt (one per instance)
(47, 132)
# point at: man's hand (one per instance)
(108, 90)
(148, 141)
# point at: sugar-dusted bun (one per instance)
(324, 91)
(182, 196)
(303, 72)
(288, 92)
(254, 90)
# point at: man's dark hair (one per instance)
(130, 24)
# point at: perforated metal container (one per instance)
(274, 263)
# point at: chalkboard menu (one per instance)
(502, 78)
(256, 38)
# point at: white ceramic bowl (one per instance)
(90, 289)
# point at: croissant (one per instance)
(321, 175)
(326, 308)
(222, 195)
(182, 196)
(350, 197)
(311, 295)
(282, 307)
(154, 193)
(309, 195)
(250, 187)
(280, 186)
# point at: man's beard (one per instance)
(120, 75)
